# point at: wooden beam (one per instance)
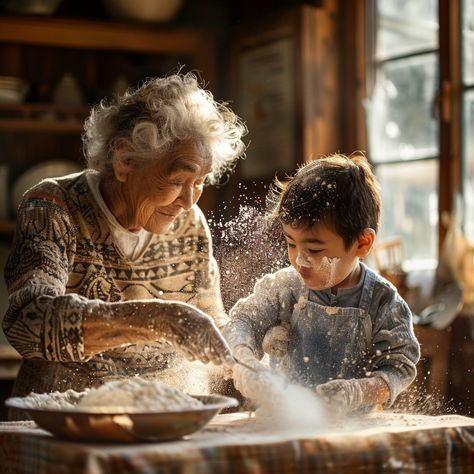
(100, 35)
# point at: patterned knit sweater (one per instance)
(63, 258)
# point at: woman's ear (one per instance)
(122, 168)
(123, 162)
(365, 242)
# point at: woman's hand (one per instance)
(192, 332)
(276, 340)
(185, 327)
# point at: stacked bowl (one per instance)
(13, 90)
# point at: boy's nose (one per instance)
(303, 260)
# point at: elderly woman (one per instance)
(111, 269)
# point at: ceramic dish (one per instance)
(32, 176)
(146, 10)
(102, 424)
(12, 90)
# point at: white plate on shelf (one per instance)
(32, 176)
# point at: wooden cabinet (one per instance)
(41, 50)
(284, 79)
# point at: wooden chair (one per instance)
(388, 254)
(432, 379)
(388, 261)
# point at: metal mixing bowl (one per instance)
(109, 424)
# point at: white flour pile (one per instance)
(54, 400)
(127, 394)
(138, 394)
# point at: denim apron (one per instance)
(328, 342)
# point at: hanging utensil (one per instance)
(443, 309)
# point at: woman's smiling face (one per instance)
(157, 194)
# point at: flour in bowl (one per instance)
(133, 394)
(138, 394)
(53, 400)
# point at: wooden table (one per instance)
(235, 443)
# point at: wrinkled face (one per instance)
(319, 256)
(159, 193)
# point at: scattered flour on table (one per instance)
(285, 405)
(127, 394)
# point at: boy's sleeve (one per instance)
(251, 317)
(395, 347)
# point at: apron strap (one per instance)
(366, 298)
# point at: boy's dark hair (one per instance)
(339, 190)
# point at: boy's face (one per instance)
(320, 257)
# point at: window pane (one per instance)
(410, 206)
(406, 26)
(468, 40)
(400, 121)
(468, 165)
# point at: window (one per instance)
(467, 100)
(402, 123)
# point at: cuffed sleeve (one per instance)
(395, 349)
(41, 321)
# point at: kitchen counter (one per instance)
(237, 443)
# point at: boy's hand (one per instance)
(246, 381)
(276, 340)
(344, 396)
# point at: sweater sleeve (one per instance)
(395, 349)
(270, 304)
(41, 320)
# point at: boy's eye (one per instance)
(292, 246)
(314, 251)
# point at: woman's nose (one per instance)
(186, 198)
(303, 260)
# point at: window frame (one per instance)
(448, 101)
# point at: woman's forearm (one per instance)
(110, 325)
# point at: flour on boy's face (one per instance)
(320, 257)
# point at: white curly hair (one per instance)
(152, 119)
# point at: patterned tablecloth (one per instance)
(236, 443)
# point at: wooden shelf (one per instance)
(197, 44)
(42, 118)
(40, 126)
(97, 35)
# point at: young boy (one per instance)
(330, 321)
